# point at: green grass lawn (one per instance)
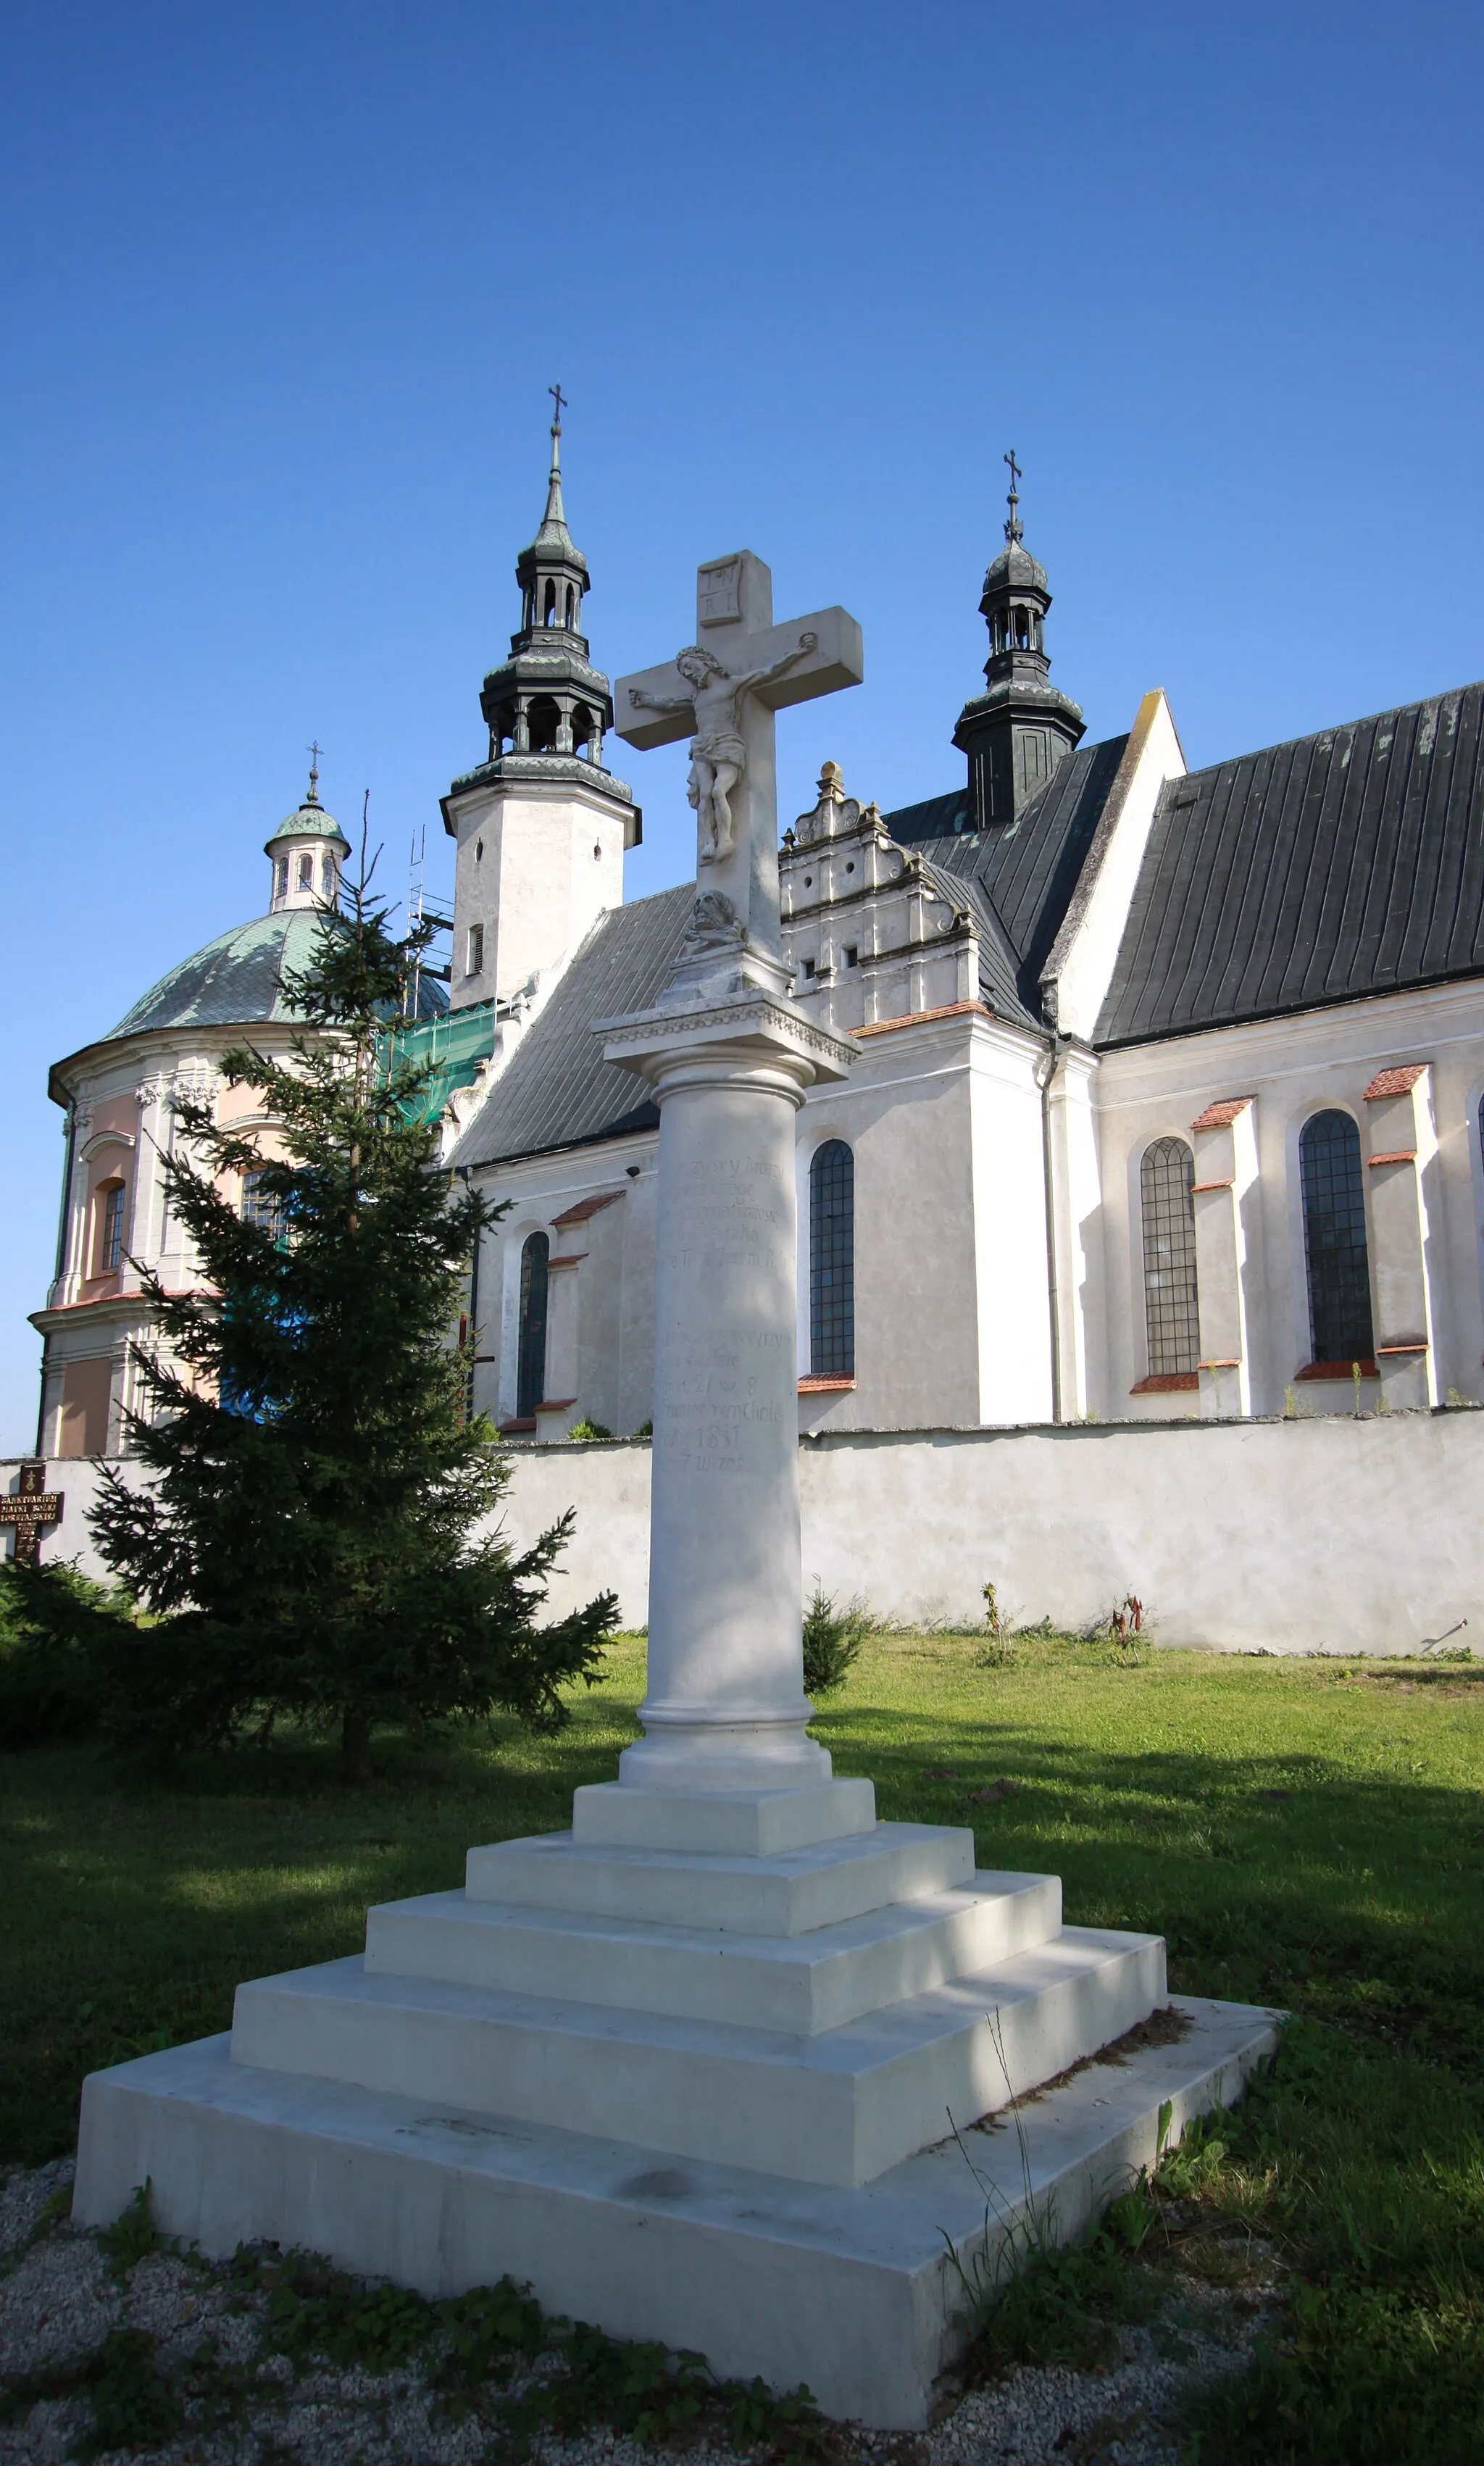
(1306, 1833)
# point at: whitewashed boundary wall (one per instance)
(1331, 1534)
(1325, 1534)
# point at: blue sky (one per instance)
(284, 287)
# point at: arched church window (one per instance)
(110, 1248)
(531, 1358)
(572, 602)
(281, 879)
(1335, 1257)
(832, 1262)
(307, 873)
(548, 614)
(1172, 1317)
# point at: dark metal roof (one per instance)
(1332, 867)
(556, 1091)
(1021, 878)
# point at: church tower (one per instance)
(1021, 726)
(541, 825)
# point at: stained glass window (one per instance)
(1334, 1253)
(530, 1365)
(1172, 1317)
(832, 1262)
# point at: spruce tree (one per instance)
(309, 1546)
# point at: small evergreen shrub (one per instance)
(832, 1639)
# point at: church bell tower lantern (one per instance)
(541, 825)
(1018, 731)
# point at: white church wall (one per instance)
(1296, 1535)
(611, 1303)
(1077, 1215)
(1294, 1068)
(907, 1115)
(1009, 1220)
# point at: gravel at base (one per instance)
(62, 2295)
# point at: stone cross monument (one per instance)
(729, 1058)
(687, 2069)
(722, 692)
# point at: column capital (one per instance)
(752, 1039)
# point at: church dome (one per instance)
(1014, 568)
(231, 981)
(235, 980)
(308, 821)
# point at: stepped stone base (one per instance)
(850, 2289)
(688, 2069)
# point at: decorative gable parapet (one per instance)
(873, 933)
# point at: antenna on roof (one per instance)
(413, 984)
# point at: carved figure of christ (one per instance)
(722, 692)
(713, 701)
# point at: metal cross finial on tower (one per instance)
(560, 400)
(1012, 529)
(313, 797)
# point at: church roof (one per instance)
(1020, 878)
(235, 980)
(556, 1091)
(1332, 867)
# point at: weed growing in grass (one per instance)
(998, 1651)
(132, 2233)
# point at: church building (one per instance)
(1170, 1087)
(1170, 1093)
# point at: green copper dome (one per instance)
(310, 822)
(236, 980)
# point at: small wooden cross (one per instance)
(29, 1510)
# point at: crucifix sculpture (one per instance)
(722, 692)
(729, 1058)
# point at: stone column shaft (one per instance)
(726, 1707)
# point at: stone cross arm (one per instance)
(834, 658)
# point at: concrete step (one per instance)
(836, 2108)
(788, 1894)
(755, 1823)
(851, 2291)
(801, 1984)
